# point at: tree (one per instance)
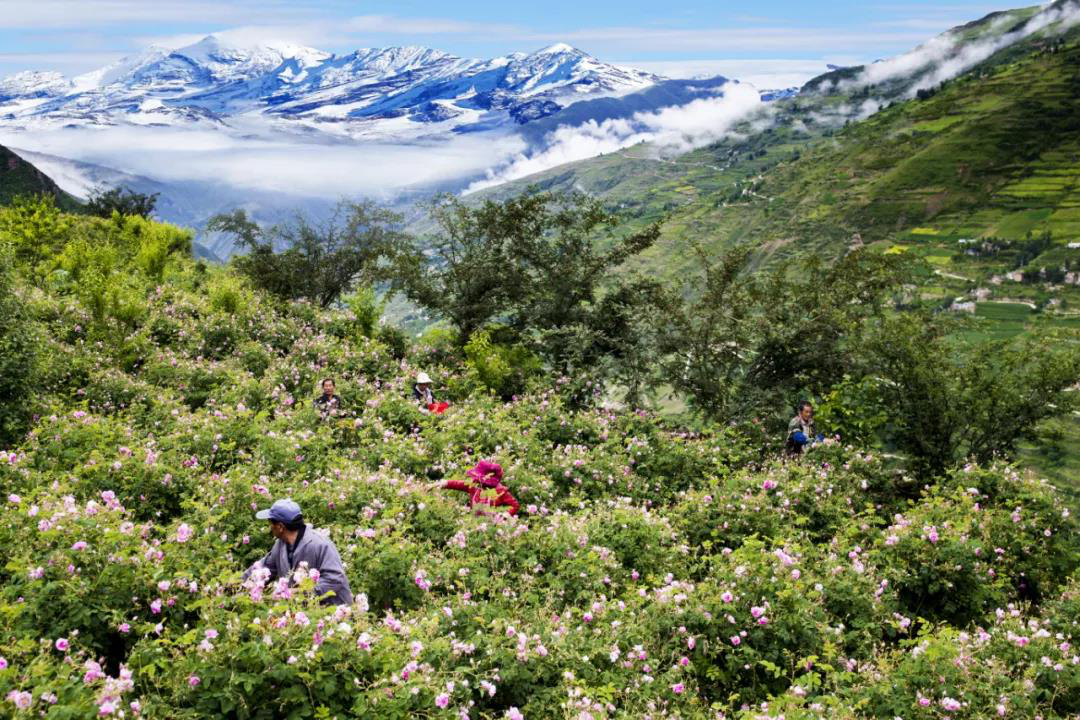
(571, 304)
(812, 320)
(104, 202)
(318, 261)
(463, 272)
(540, 263)
(18, 354)
(704, 343)
(950, 403)
(750, 341)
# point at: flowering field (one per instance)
(652, 572)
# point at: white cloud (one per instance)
(732, 39)
(27, 14)
(761, 73)
(282, 165)
(946, 56)
(339, 33)
(670, 131)
(59, 60)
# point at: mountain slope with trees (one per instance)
(18, 177)
(991, 153)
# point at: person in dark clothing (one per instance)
(328, 403)
(801, 432)
(486, 489)
(296, 542)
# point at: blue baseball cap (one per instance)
(283, 511)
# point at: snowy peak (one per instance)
(401, 59)
(210, 61)
(561, 66)
(559, 49)
(34, 84)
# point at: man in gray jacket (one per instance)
(297, 542)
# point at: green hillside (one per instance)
(993, 153)
(980, 178)
(18, 177)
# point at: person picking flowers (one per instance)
(485, 488)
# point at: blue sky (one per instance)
(769, 39)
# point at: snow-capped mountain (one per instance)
(293, 87)
(279, 128)
(774, 94)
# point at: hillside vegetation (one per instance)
(975, 177)
(991, 154)
(654, 571)
(18, 177)
(904, 566)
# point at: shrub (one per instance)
(36, 229)
(18, 355)
(229, 295)
(1009, 668)
(367, 309)
(503, 367)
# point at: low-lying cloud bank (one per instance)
(276, 164)
(671, 131)
(384, 171)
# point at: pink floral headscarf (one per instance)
(486, 473)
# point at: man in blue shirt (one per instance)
(801, 432)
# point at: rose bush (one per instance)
(652, 571)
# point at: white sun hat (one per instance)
(423, 379)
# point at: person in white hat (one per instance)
(421, 389)
(422, 394)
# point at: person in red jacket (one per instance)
(486, 488)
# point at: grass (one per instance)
(1055, 455)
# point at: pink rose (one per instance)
(184, 533)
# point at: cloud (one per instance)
(761, 73)
(280, 164)
(670, 131)
(340, 33)
(58, 60)
(731, 39)
(946, 56)
(345, 32)
(26, 14)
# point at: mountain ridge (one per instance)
(21, 178)
(212, 82)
